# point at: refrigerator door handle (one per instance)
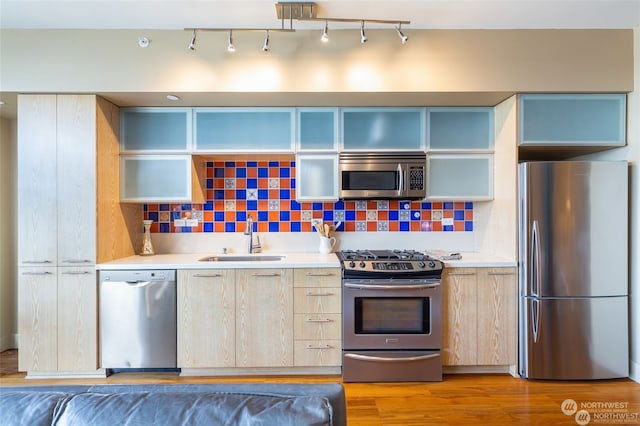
(535, 260)
(535, 319)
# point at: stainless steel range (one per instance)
(392, 316)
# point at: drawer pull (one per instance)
(77, 261)
(273, 274)
(35, 262)
(207, 275)
(316, 274)
(319, 347)
(37, 273)
(461, 273)
(501, 273)
(319, 294)
(76, 273)
(313, 320)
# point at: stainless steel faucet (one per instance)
(248, 230)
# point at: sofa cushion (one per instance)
(179, 408)
(28, 408)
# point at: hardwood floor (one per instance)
(460, 399)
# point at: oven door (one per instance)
(392, 315)
(371, 180)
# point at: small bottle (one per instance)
(147, 246)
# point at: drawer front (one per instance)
(317, 300)
(317, 353)
(317, 277)
(317, 327)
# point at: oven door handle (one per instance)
(384, 359)
(392, 287)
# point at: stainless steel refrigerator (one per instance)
(573, 270)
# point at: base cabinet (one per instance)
(479, 317)
(259, 318)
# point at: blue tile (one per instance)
(293, 183)
(218, 172)
(252, 183)
(285, 194)
(165, 228)
(252, 205)
(241, 172)
(185, 229)
(468, 225)
(186, 207)
(292, 164)
(208, 206)
(218, 216)
(327, 215)
(274, 226)
(207, 227)
(176, 215)
(350, 215)
(447, 206)
(153, 216)
(209, 163)
(468, 205)
(163, 207)
(263, 216)
(230, 227)
(425, 206)
(285, 215)
(241, 216)
(447, 228)
(274, 164)
(296, 227)
(229, 164)
(241, 194)
(263, 194)
(209, 183)
(393, 215)
(218, 194)
(145, 208)
(252, 164)
(404, 226)
(263, 172)
(316, 206)
(284, 172)
(295, 205)
(458, 215)
(415, 215)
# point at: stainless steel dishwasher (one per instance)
(138, 319)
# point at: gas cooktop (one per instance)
(388, 263)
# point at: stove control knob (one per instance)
(362, 265)
(352, 264)
(421, 264)
(432, 264)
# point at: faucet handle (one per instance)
(257, 245)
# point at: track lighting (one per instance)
(363, 38)
(325, 35)
(230, 46)
(403, 37)
(192, 43)
(265, 46)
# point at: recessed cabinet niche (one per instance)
(383, 129)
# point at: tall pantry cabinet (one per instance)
(57, 242)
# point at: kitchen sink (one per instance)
(242, 258)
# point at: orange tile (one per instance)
(295, 215)
(263, 183)
(242, 164)
(327, 206)
(372, 226)
(383, 215)
(436, 226)
(285, 227)
(361, 215)
(372, 205)
(263, 164)
(305, 226)
(306, 206)
(274, 215)
(241, 205)
(394, 226)
(207, 215)
(394, 204)
(229, 172)
(285, 183)
(197, 228)
(209, 194)
(218, 227)
(317, 214)
(209, 172)
(274, 172)
(263, 205)
(152, 207)
(468, 215)
(218, 164)
(218, 206)
(426, 215)
(349, 205)
(263, 227)
(447, 213)
(458, 205)
(274, 194)
(252, 172)
(458, 225)
(415, 226)
(229, 216)
(285, 205)
(436, 206)
(349, 226)
(218, 183)
(155, 227)
(229, 194)
(241, 183)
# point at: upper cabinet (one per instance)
(149, 178)
(571, 120)
(317, 130)
(254, 130)
(383, 129)
(460, 129)
(155, 130)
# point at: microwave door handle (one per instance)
(400, 179)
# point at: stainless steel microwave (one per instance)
(383, 175)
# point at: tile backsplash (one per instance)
(266, 191)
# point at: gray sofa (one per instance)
(175, 404)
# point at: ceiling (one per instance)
(423, 14)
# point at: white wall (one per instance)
(8, 286)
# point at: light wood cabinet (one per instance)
(317, 317)
(235, 318)
(264, 318)
(57, 301)
(206, 318)
(479, 317)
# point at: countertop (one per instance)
(190, 261)
(291, 260)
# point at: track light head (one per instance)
(403, 37)
(363, 37)
(192, 43)
(325, 33)
(230, 46)
(265, 46)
